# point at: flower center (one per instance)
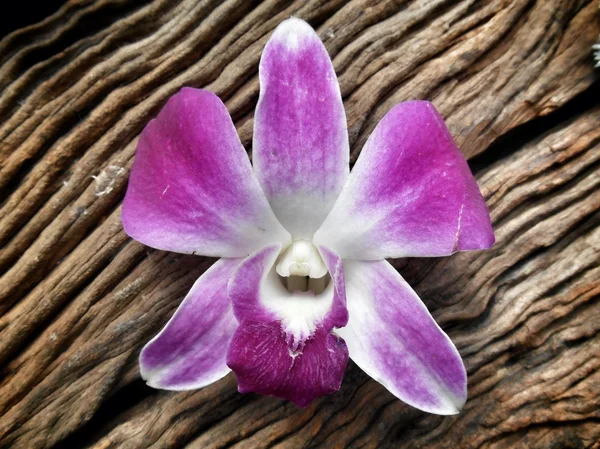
(300, 268)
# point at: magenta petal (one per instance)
(411, 193)
(264, 364)
(300, 148)
(192, 189)
(284, 345)
(393, 338)
(191, 349)
(338, 316)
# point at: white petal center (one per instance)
(301, 258)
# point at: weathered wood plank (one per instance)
(78, 298)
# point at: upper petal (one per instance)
(300, 148)
(192, 189)
(191, 349)
(393, 338)
(411, 193)
(284, 345)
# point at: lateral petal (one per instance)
(192, 189)
(411, 193)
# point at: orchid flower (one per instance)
(302, 284)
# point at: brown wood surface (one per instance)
(78, 298)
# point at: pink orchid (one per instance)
(302, 283)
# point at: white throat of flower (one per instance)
(301, 268)
(299, 291)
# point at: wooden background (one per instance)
(78, 299)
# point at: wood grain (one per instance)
(78, 298)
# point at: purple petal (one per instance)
(393, 338)
(192, 189)
(263, 363)
(300, 148)
(338, 316)
(284, 345)
(411, 193)
(190, 351)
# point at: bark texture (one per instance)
(78, 298)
